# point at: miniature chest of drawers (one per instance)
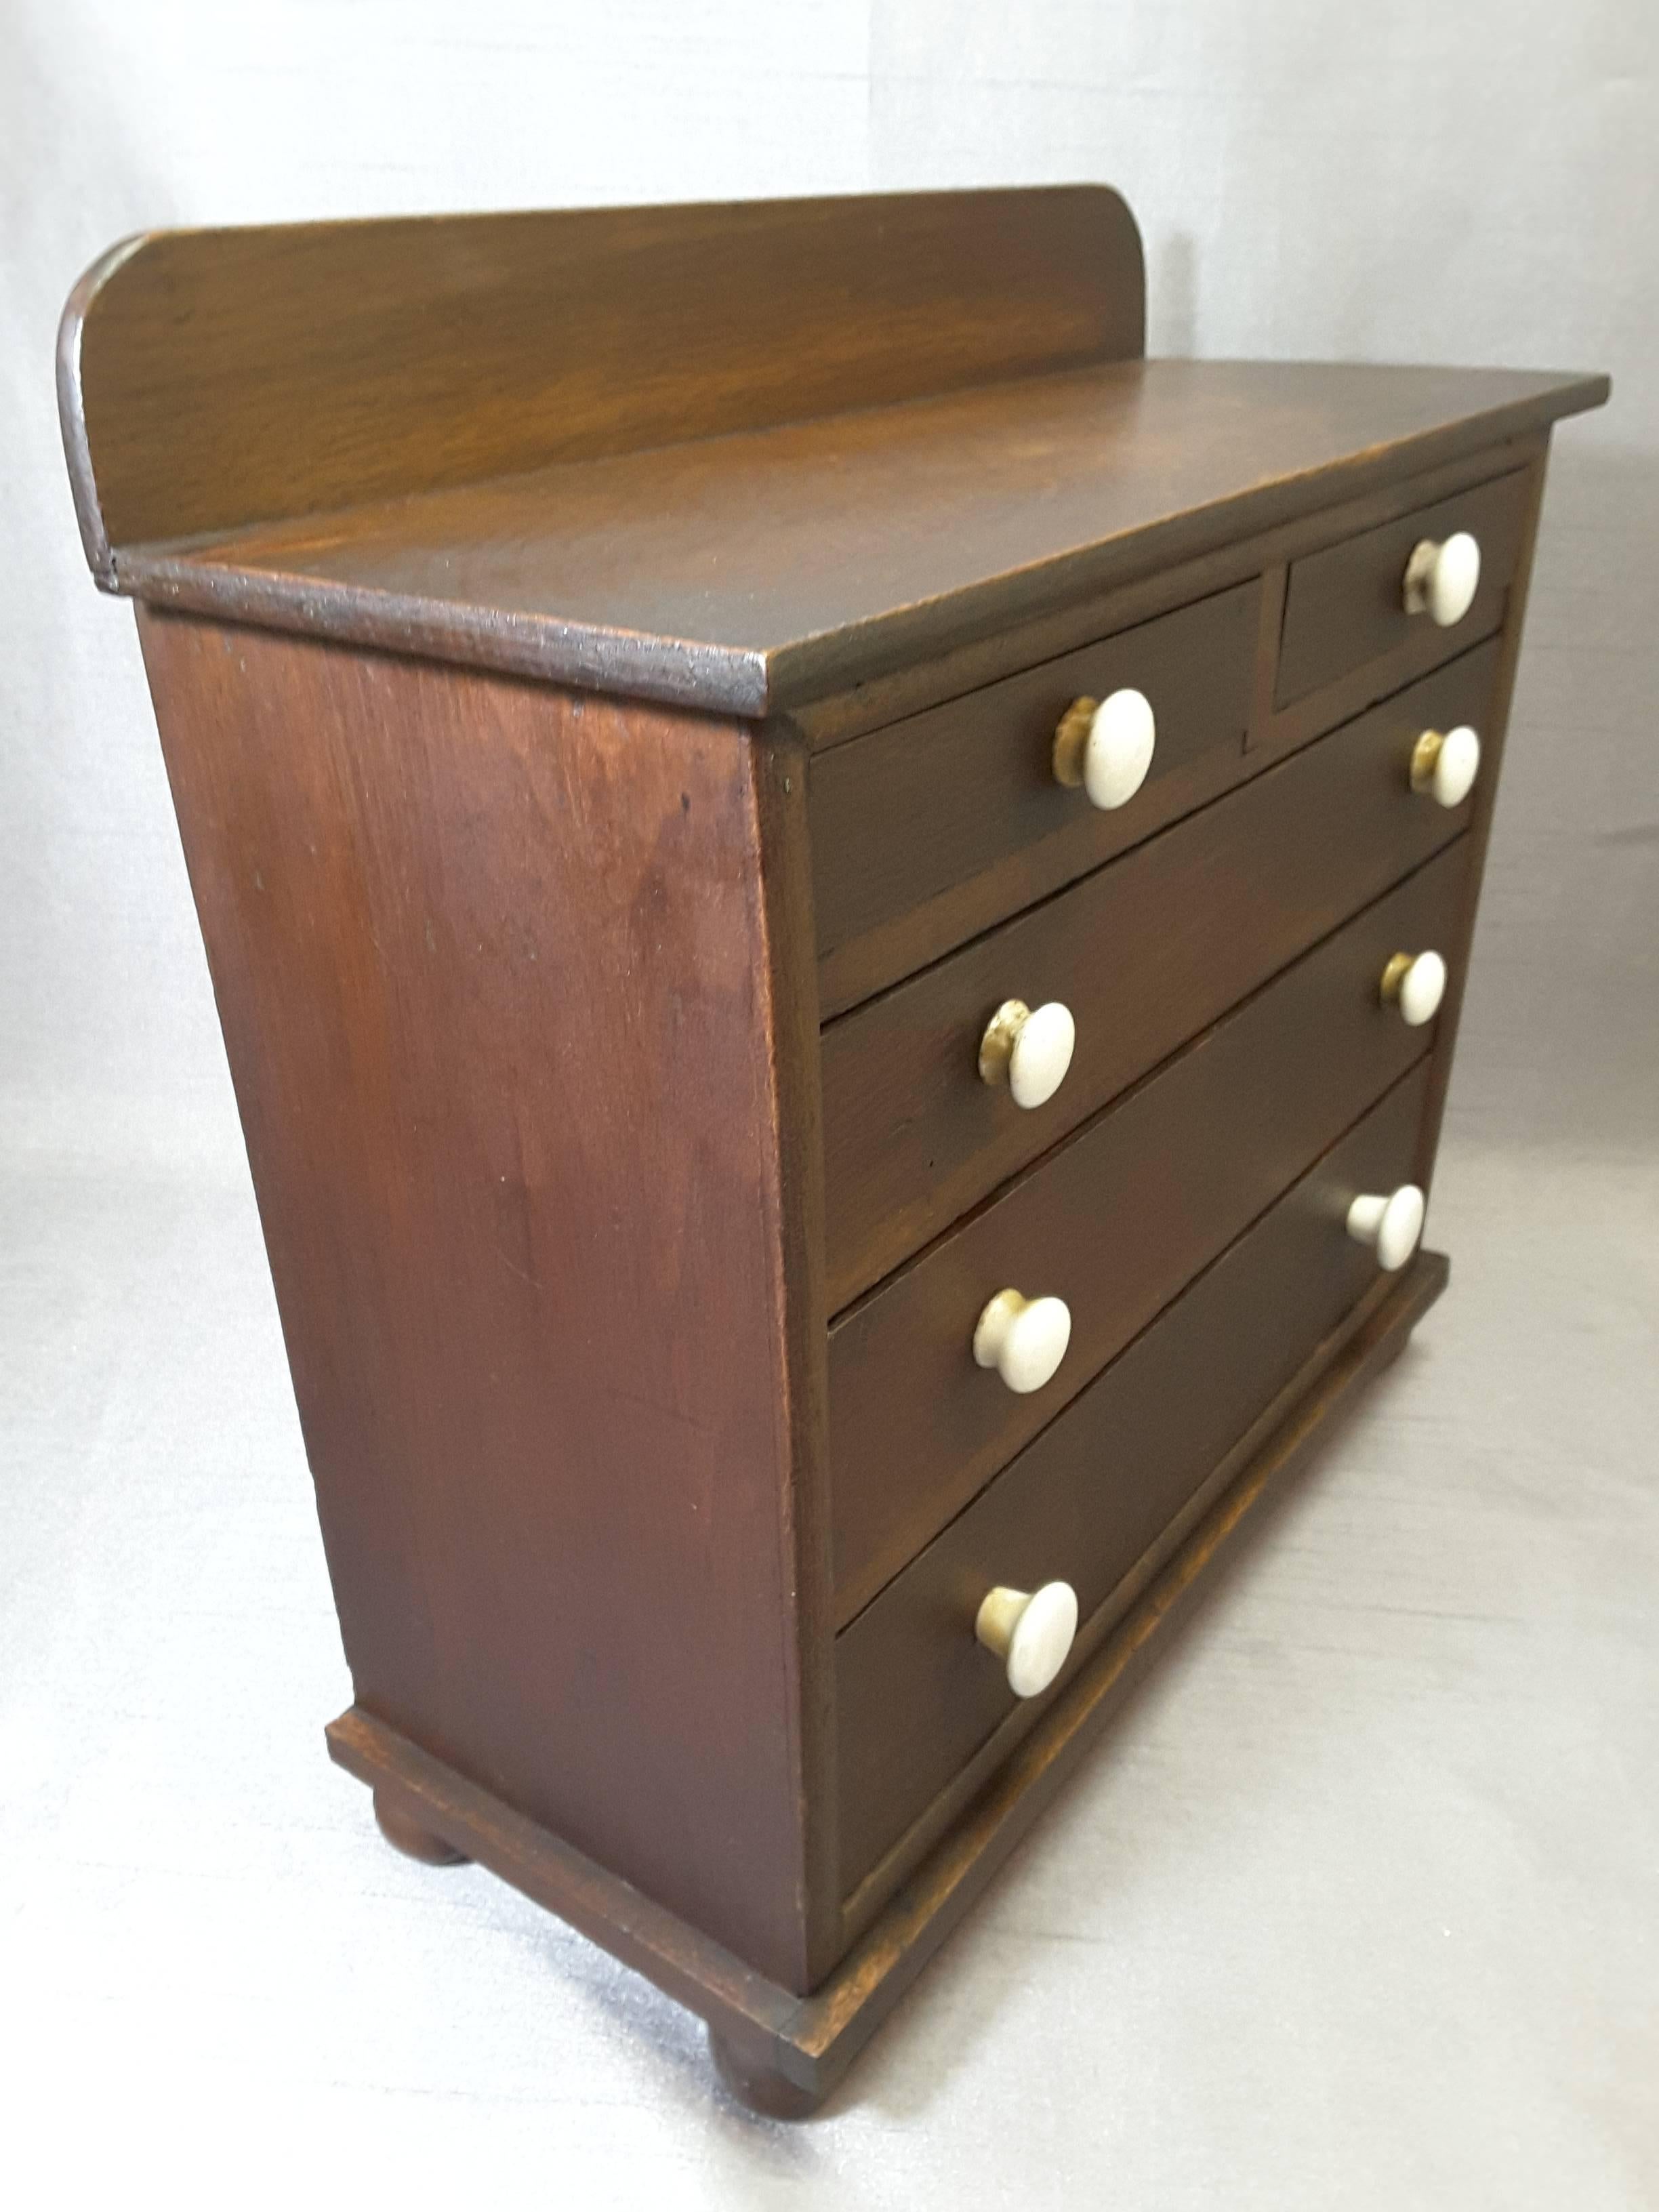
(839, 909)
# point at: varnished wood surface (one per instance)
(747, 573)
(1096, 1488)
(682, 1960)
(1115, 1222)
(497, 971)
(908, 824)
(1493, 740)
(923, 499)
(931, 679)
(1345, 606)
(1145, 952)
(405, 1832)
(809, 2044)
(211, 379)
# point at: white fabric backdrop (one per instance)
(1476, 184)
(1434, 1702)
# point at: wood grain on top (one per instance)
(756, 570)
(737, 457)
(210, 379)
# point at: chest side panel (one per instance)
(497, 981)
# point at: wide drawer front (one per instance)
(929, 830)
(1346, 604)
(1144, 954)
(1115, 1223)
(917, 1695)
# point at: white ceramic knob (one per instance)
(1441, 580)
(1029, 1051)
(1024, 1338)
(1416, 983)
(1033, 1633)
(1446, 763)
(1392, 1224)
(1107, 748)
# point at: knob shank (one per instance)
(1441, 580)
(1030, 1051)
(1415, 983)
(1107, 747)
(1446, 763)
(1032, 1632)
(1024, 1339)
(1391, 1225)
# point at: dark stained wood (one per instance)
(909, 825)
(1115, 1222)
(868, 1902)
(1145, 953)
(745, 574)
(501, 997)
(683, 1961)
(566, 1144)
(811, 2043)
(1026, 1762)
(212, 379)
(755, 2079)
(785, 918)
(1344, 606)
(1493, 733)
(1093, 1493)
(406, 1833)
(926, 681)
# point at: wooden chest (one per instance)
(839, 909)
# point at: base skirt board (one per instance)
(785, 2053)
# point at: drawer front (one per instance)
(929, 830)
(1115, 1222)
(1344, 606)
(1145, 954)
(917, 1696)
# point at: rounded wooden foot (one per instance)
(408, 1836)
(762, 2087)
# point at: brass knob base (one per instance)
(1072, 739)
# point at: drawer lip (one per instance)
(1069, 1504)
(913, 1139)
(915, 1431)
(1342, 609)
(930, 829)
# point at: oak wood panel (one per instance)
(1094, 1489)
(1115, 1222)
(1344, 605)
(1145, 952)
(497, 971)
(211, 379)
(909, 825)
(746, 573)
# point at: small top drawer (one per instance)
(926, 831)
(1346, 604)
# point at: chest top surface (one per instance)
(736, 458)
